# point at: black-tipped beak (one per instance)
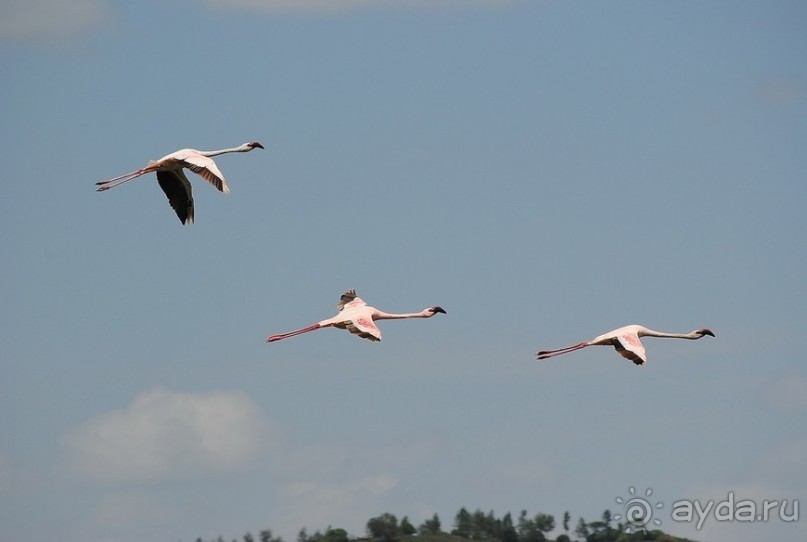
(256, 144)
(708, 332)
(438, 309)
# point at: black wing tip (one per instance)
(346, 298)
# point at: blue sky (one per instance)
(545, 171)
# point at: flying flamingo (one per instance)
(626, 341)
(358, 318)
(173, 180)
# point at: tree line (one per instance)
(477, 526)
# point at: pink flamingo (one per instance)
(626, 341)
(173, 180)
(358, 318)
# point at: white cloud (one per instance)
(328, 6)
(166, 434)
(50, 19)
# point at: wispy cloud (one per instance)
(167, 434)
(330, 6)
(50, 19)
(55, 20)
(345, 503)
(132, 510)
(344, 484)
(525, 473)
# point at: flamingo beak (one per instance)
(438, 309)
(256, 144)
(708, 332)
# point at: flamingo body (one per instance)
(172, 179)
(358, 318)
(627, 341)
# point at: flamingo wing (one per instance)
(630, 347)
(206, 168)
(178, 189)
(364, 327)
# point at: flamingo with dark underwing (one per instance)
(173, 180)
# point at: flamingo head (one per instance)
(253, 145)
(705, 331)
(435, 310)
